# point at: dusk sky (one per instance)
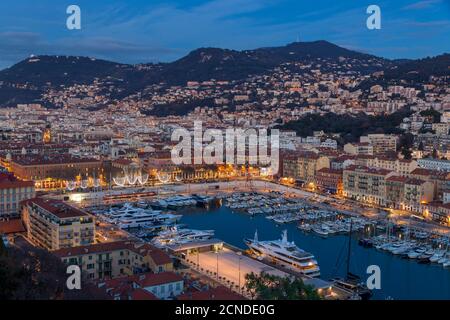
(136, 31)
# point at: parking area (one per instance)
(229, 267)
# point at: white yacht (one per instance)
(128, 217)
(285, 253)
(175, 235)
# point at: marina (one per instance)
(400, 278)
(317, 245)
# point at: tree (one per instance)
(405, 144)
(35, 274)
(269, 287)
(407, 154)
(434, 155)
(2, 247)
(420, 147)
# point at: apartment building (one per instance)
(366, 184)
(395, 191)
(116, 259)
(446, 197)
(441, 128)
(416, 194)
(304, 165)
(400, 166)
(53, 224)
(12, 192)
(381, 143)
(439, 212)
(362, 148)
(438, 178)
(329, 179)
(54, 171)
(434, 164)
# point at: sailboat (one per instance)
(352, 282)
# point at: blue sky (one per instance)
(134, 31)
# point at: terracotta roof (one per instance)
(416, 182)
(30, 160)
(141, 294)
(377, 171)
(125, 162)
(11, 226)
(149, 279)
(397, 179)
(219, 293)
(422, 172)
(331, 171)
(344, 157)
(158, 256)
(9, 181)
(58, 208)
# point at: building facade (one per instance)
(116, 259)
(12, 192)
(381, 143)
(50, 172)
(303, 166)
(366, 184)
(52, 224)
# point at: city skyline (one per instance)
(164, 32)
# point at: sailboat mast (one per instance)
(349, 246)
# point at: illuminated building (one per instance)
(51, 172)
(47, 136)
(116, 259)
(366, 184)
(12, 192)
(52, 224)
(304, 165)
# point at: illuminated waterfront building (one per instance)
(53, 224)
(12, 192)
(366, 184)
(50, 172)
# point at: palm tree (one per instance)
(269, 287)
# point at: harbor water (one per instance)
(400, 278)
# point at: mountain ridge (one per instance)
(32, 76)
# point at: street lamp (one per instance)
(217, 265)
(239, 268)
(198, 259)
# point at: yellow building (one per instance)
(401, 166)
(115, 259)
(12, 192)
(381, 143)
(52, 224)
(362, 148)
(366, 184)
(408, 193)
(417, 194)
(303, 166)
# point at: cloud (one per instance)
(422, 4)
(435, 23)
(15, 46)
